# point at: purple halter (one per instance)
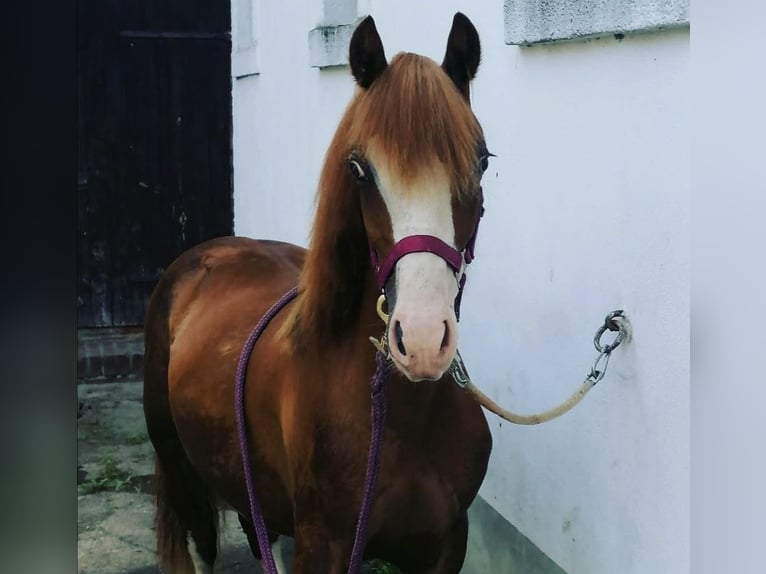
(430, 244)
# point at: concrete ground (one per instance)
(115, 525)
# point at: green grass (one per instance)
(136, 439)
(379, 566)
(110, 476)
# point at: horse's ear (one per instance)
(463, 53)
(365, 53)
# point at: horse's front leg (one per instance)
(453, 549)
(317, 551)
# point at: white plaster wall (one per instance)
(587, 211)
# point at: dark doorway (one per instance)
(155, 171)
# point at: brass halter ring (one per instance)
(379, 308)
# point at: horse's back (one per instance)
(229, 262)
(221, 268)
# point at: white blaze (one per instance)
(425, 285)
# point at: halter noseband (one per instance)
(430, 244)
(416, 244)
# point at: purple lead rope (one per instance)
(377, 395)
(239, 406)
(377, 384)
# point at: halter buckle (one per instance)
(381, 345)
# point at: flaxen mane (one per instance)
(416, 116)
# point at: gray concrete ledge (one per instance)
(110, 354)
(328, 45)
(530, 22)
(495, 545)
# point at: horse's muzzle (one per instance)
(422, 346)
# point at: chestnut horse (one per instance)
(406, 159)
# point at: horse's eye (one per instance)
(484, 163)
(357, 170)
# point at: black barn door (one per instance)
(155, 172)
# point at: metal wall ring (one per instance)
(611, 324)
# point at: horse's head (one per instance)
(416, 154)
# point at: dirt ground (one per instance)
(115, 533)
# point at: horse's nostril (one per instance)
(399, 335)
(445, 339)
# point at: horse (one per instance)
(406, 160)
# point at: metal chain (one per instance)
(615, 321)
